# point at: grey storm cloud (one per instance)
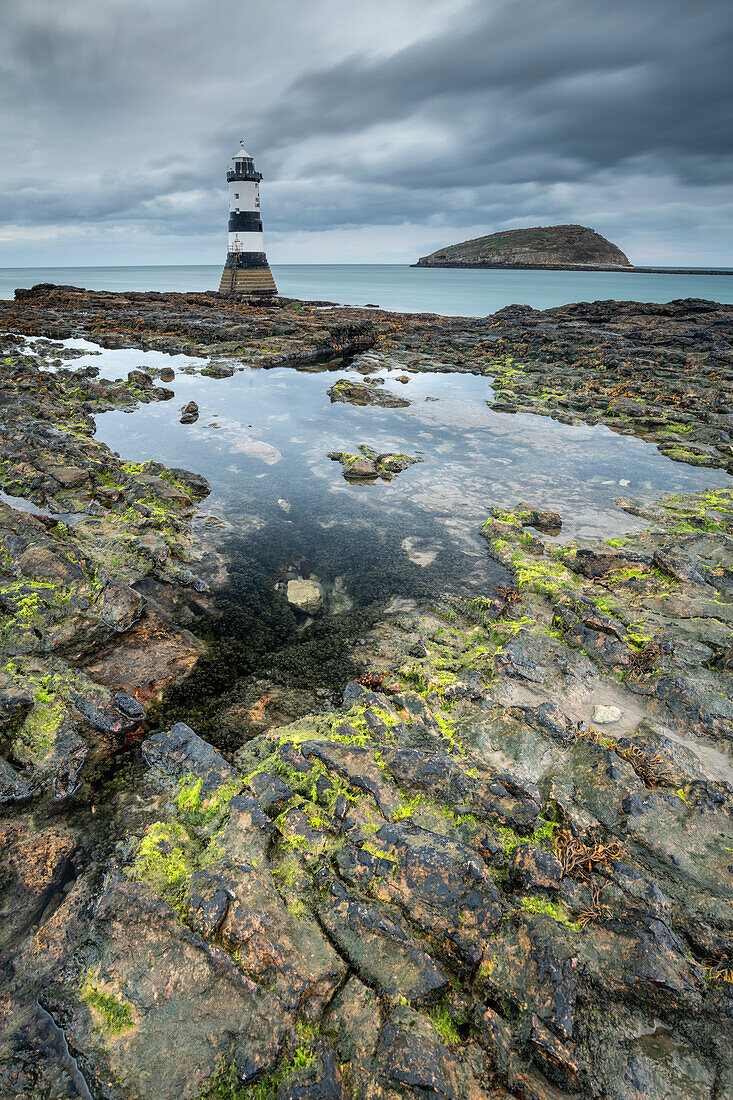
(120, 115)
(595, 81)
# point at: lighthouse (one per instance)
(246, 270)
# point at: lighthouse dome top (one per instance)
(241, 153)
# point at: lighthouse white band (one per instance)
(244, 195)
(245, 242)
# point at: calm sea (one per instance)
(397, 286)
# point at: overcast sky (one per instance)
(383, 128)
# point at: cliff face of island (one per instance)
(543, 246)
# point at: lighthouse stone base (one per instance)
(248, 274)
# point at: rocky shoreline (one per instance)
(501, 868)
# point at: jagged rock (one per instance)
(12, 786)
(36, 866)
(536, 869)
(129, 705)
(543, 520)
(182, 753)
(190, 979)
(71, 477)
(120, 606)
(370, 464)
(139, 378)
(104, 714)
(15, 702)
(218, 370)
(378, 948)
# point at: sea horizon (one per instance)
(470, 292)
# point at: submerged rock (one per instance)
(307, 596)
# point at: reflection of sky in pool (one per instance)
(263, 436)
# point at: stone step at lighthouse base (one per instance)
(237, 280)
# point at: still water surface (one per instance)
(263, 437)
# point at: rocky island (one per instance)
(490, 859)
(548, 247)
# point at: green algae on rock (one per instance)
(370, 464)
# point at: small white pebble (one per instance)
(604, 715)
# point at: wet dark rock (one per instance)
(188, 973)
(218, 370)
(206, 905)
(41, 563)
(322, 1081)
(554, 1058)
(12, 786)
(536, 869)
(378, 949)
(189, 413)
(596, 563)
(103, 714)
(194, 484)
(182, 753)
(548, 719)
(370, 464)
(551, 522)
(139, 378)
(14, 702)
(153, 547)
(120, 606)
(129, 705)
(36, 865)
(66, 781)
(409, 846)
(70, 477)
(413, 1060)
(452, 897)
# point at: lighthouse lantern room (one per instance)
(246, 270)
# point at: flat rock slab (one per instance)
(365, 393)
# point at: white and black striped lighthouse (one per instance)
(246, 270)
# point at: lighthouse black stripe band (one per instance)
(245, 221)
(246, 259)
(251, 175)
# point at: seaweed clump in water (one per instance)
(255, 632)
